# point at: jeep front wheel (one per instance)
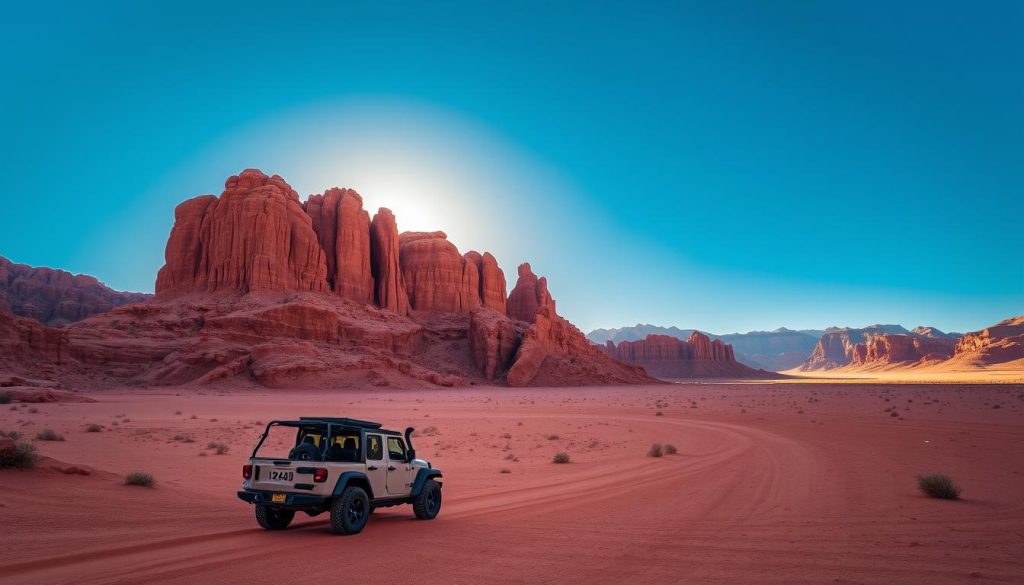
(273, 518)
(350, 512)
(428, 503)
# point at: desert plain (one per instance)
(772, 482)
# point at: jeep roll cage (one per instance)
(333, 427)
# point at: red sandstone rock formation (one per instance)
(437, 277)
(56, 297)
(493, 340)
(665, 356)
(384, 261)
(343, 230)
(1000, 346)
(255, 237)
(529, 295)
(441, 320)
(835, 348)
(886, 349)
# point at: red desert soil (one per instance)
(773, 483)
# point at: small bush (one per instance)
(49, 435)
(139, 478)
(222, 449)
(553, 437)
(940, 486)
(93, 428)
(561, 458)
(659, 413)
(14, 435)
(212, 445)
(670, 449)
(505, 470)
(655, 450)
(33, 410)
(6, 398)
(19, 456)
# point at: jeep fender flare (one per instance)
(356, 478)
(421, 478)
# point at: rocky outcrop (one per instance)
(835, 348)
(529, 295)
(492, 280)
(255, 237)
(343, 230)
(999, 346)
(493, 339)
(384, 261)
(886, 349)
(55, 297)
(437, 277)
(317, 270)
(668, 357)
(555, 353)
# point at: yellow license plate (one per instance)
(278, 498)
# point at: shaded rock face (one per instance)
(492, 280)
(256, 237)
(437, 277)
(56, 297)
(699, 356)
(529, 295)
(493, 339)
(879, 346)
(384, 260)
(343, 230)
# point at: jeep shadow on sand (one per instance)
(344, 466)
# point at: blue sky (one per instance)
(723, 166)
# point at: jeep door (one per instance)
(398, 468)
(376, 467)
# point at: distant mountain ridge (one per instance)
(781, 349)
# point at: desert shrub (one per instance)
(212, 445)
(561, 458)
(93, 428)
(937, 485)
(505, 470)
(221, 448)
(33, 410)
(14, 435)
(659, 413)
(670, 449)
(552, 437)
(655, 450)
(19, 456)
(140, 478)
(429, 431)
(49, 435)
(6, 398)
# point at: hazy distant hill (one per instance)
(776, 350)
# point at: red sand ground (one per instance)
(773, 483)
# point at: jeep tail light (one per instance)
(320, 475)
(246, 471)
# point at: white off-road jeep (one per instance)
(344, 466)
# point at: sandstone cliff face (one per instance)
(56, 297)
(529, 295)
(835, 348)
(343, 230)
(256, 237)
(319, 270)
(437, 277)
(998, 346)
(384, 262)
(668, 357)
(885, 349)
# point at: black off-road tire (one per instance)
(350, 512)
(428, 503)
(305, 452)
(273, 518)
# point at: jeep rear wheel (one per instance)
(273, 518)
(428, 503)
(350, 512)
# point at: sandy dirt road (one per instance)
(772, 484)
